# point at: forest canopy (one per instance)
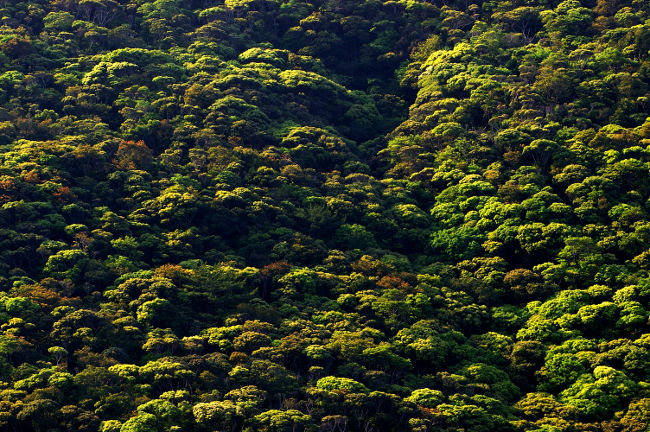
(325, 215)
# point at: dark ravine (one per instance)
(289, 216)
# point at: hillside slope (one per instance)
(271, 215)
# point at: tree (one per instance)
(282, 421)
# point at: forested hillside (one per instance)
(325, 215)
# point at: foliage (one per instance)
(256, 215)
